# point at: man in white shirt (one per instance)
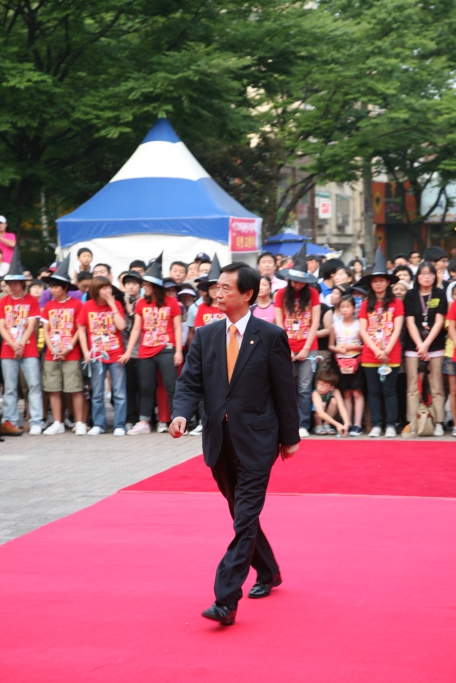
(267, 266)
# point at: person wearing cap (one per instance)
(132, 281)
(158, 323)
(298, 313)
(171, 286)
(7, 241)
(46, 295)
(100, 324)
(186, 298)
(19, 313)
(381, 318)
(62, 361)
(202, 257)
(201, 286)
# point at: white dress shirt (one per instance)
(240, 326)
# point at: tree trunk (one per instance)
(369, 237)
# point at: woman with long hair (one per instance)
(298, 313)
(158, 321)
(425, 310)
(380, 321)
(100, 323)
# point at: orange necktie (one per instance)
(232, 351)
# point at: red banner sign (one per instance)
(243, 234)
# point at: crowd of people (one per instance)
(371, 349)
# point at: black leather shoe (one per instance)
(224, 615)
(262, 590)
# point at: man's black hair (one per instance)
(204, 260)
(137, 264)
(452, 265)
(179, 263)
(84, 249)
(401, 255)
(434, 254)
(248, 278)
(414, 251)
(84, 275)
(398, 269)
(105, 265)
(313, 257)
(265, 253)
(330, 267)
(44, 269)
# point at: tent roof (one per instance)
(160, 189)
(288, 243)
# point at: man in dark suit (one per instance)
(242, 366)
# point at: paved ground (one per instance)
(45, 478)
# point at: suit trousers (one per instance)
(245, 491)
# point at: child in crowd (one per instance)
(327, 402)
(85, 258)
(345, 342)
(264, 307)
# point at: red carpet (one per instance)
(397, 468)
(113, 594)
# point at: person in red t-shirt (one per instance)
(208, 311)
(298, 313)
(100, 323)
(158, 320)
(380, 324)
(19, 315)
(62, 367)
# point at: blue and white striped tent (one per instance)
(161, 199)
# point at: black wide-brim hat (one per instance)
(58, 280)
(367, 279)
(297, 276)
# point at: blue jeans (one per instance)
(31, 369)
(304, 373)
(119, 393)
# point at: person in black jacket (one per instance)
(242, 366)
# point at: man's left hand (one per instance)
(288, 451)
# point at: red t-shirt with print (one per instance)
(157, 325)
(16, 313)
(206, 314)
(62, 317)
(297, 323)
(452, 316)
(102, 334)
(380, 327)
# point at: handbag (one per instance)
(348, 366)
(425, 421)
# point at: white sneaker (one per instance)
(439, 430)
(390, 433)
(162, 428)
(55, 428)
(303, 433)
(95, 431)
(35, 430)
(375, 432)
(80, 429)
(119, 431)
(197, 431)
(139, 428)
(453, 433)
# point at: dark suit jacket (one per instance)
(260, 400)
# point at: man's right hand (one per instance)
(287, 451)
(177, 427)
